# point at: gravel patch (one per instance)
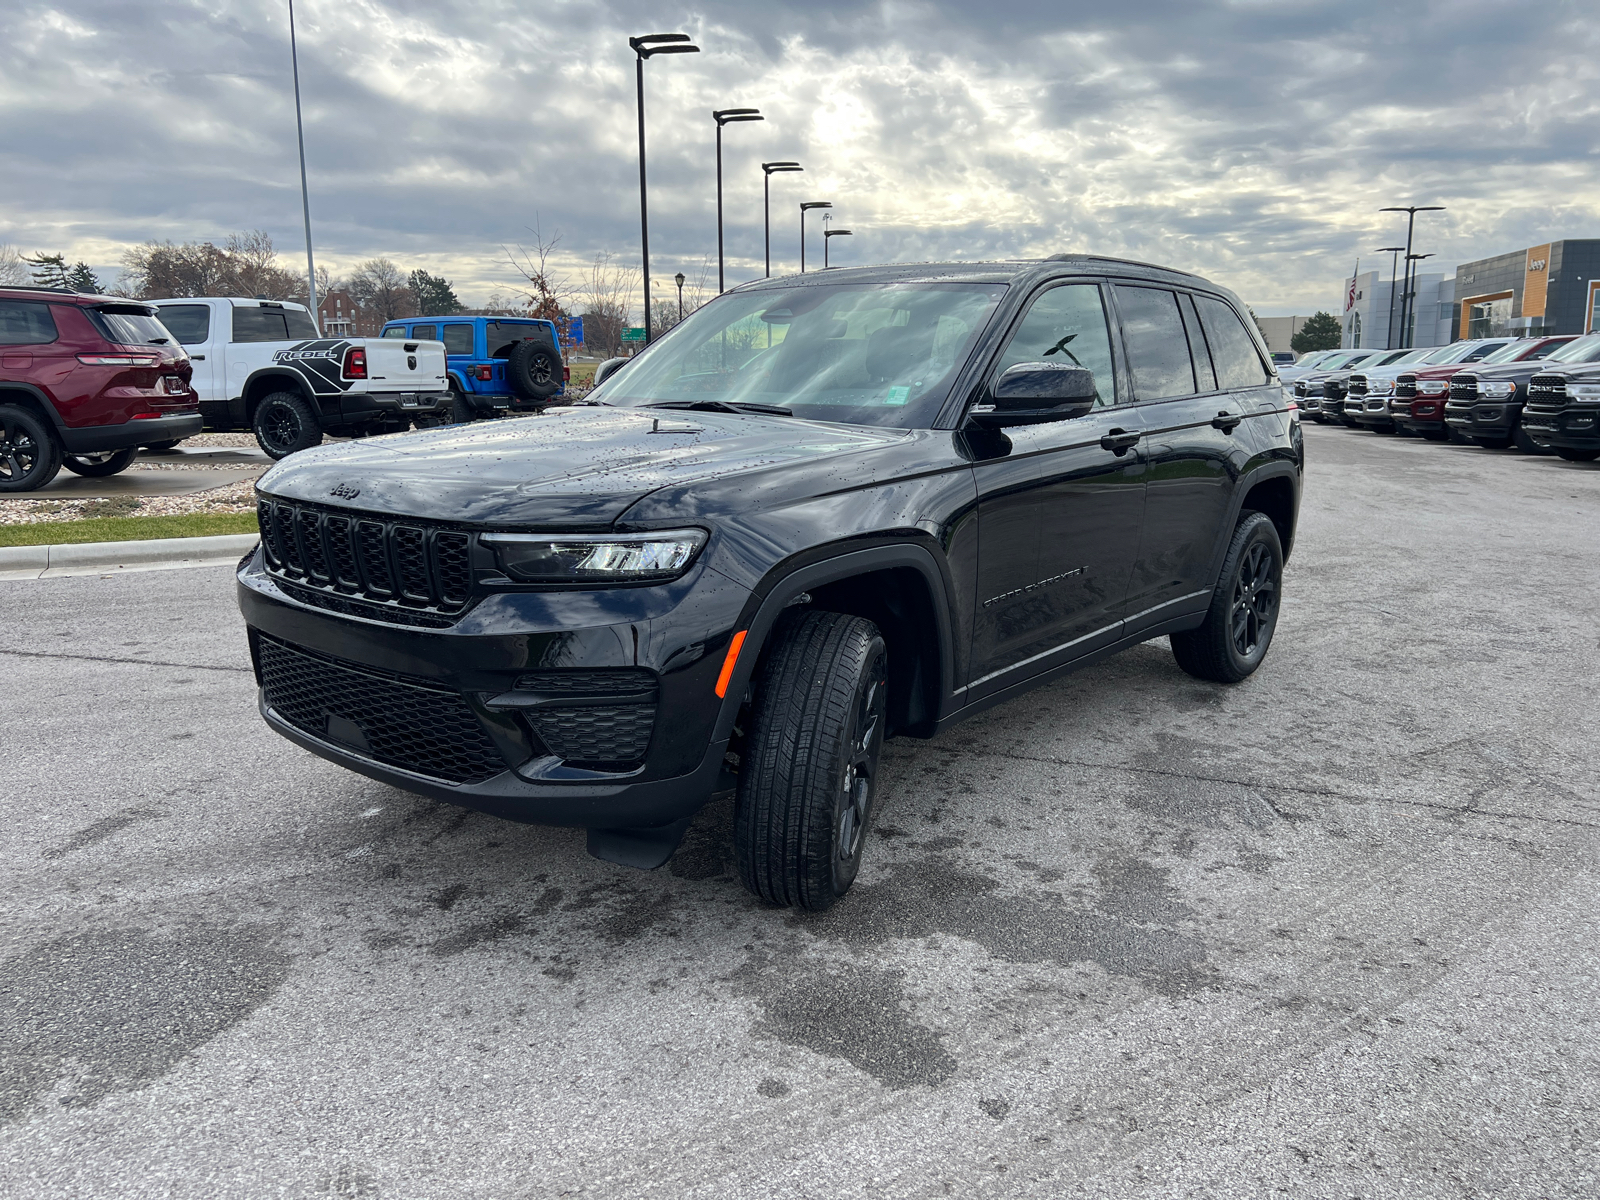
(234, 498)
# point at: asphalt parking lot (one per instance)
(1330, 933)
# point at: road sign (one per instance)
(633, 333)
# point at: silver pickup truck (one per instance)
(261, 365)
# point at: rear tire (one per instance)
(29, 455)
(809, 771)
(534, 369)
(98, 466)
(1526, 444)
(1243, 615)
(285, 423)
(1571, 455)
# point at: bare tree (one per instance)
(607, 295)
(13, 271)
(696, 292)
(380, 287)
(244, 265)
(546, 291)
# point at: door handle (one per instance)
(197, 357)
(1119, 441)
(1226, 421)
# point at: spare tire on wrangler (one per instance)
(534, 368)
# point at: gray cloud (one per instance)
(1250, 141)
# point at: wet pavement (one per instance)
(1329, 933)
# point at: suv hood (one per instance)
(567, 468)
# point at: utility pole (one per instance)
(305, 190)
(1405, 301)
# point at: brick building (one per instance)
(338, 315)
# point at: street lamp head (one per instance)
(1388, 249)
(678, 278)
(774, 167)
(1414, 208)
(662, 43)
(827, 233)
(1410, 256)
(723, 116)
(805, 205)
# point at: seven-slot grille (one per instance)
(1332, 389)
(408, 723)
(1463, 387)
(1358, 385)
(396, 565)
(1405, 387)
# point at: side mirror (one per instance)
(609, 368)
(1033, 393)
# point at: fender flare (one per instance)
(1270, 470)
(782, 585)
(38, 396)
(289, 375)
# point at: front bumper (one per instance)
(1483, 418)
(473, 669)
(1573, 428)
(94, 439)
(1372, 412)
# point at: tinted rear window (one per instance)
(300, 323)
(398, 331)
(259, 325)
(130, 327)
(25, 323)
(1156, 343)
(190, 323)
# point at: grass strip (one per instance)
(126, 529)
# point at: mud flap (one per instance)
(645, 847)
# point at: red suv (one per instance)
(84, 382)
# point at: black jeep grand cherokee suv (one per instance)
(819, 512)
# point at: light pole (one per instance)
(726, 116)
(678, 279)
(305, 191)
(1411, 221)
(644, 47)
(827, 235)
(1394, 283)
(806, 207)
(771, 169)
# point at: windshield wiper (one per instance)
(732, 406)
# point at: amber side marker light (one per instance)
(728, 662)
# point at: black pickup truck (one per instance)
(1485, 402)
(819, 512)
(1563, 411)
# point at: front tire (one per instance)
(29, 455)
(1239, 625)
(1571, 455)
(809, 771)
(285, 423)
(98, 466)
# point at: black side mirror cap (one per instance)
(1033, 393)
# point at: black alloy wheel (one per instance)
(29, 456)
(101, 464)
(1238, 628)
(284, 423)
(808, 773)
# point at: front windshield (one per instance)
(1510, 352)
(864, 354)
(1584, 349)
(1411, 357)
(1454, 352)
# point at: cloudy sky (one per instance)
(1251, 141)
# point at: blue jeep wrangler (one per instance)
(494, 363)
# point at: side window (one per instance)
(1232, 347)
(259, 325)
(24, 323)
(1205, 375)
(397, 331)
(1156, 343)
(299, 323)
(425, 333)
(1482, 352)
(189, 323)
(1066, 324)
(458, 339)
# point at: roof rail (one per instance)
(1127, 262)
(34, 287)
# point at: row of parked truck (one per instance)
(1539, 394)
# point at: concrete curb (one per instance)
(101, 558)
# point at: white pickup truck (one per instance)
(261, 365)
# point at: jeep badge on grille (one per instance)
(344, 491)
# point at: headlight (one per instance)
(1497, 389)
(1380, 386)
(600, 558)
(1432, 387)
(1584, 393)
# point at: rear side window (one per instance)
(1205, 376)
(1233, 350)
(1156, 343)
(1066, 325)
(300, 323)
(458, 339)
(425, 333)
(259, 325)
(24, 323)
(190, 323)
(399, 331)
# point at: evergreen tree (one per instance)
(49, 270)
(434, 295)
(1320, 332)
(82, 279)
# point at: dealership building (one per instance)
(1540, 290)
